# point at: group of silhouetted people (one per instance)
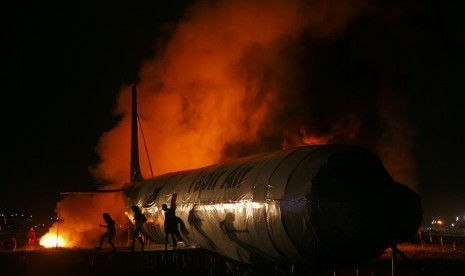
(139, 220)
(172, 226)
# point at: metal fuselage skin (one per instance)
(306, 205)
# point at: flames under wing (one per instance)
(304, 205)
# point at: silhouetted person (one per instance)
(110, 233)
(171, 225)
(31, 237)
(139, 220)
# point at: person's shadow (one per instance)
(254, 256)
(196, 222)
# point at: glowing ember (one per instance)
(51, 240)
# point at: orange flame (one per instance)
(50, 240)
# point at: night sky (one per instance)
(64, 65)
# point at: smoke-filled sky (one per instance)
(218, 80)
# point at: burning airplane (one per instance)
(307, 205)
(216, 92)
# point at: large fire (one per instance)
(234, 79)
(80, 217)
(52, 240)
